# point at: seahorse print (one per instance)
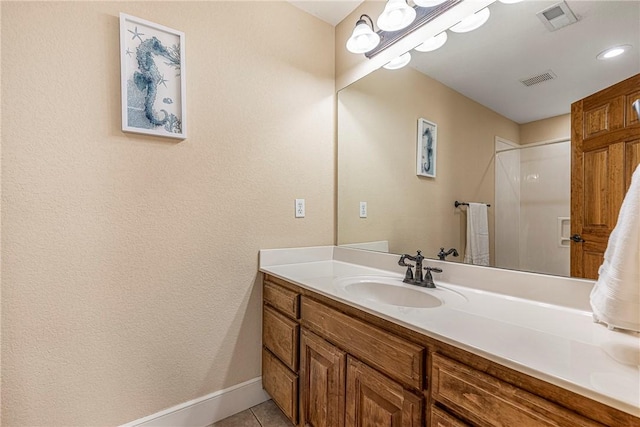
(144, 82)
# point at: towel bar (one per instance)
(458, 204)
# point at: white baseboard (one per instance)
(207, 409)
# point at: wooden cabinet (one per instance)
(281, 384)
(374, 400)
(281, 343)
(398, 358)
(327, 364)
(487, 401)
(280, 335)
(322, 388)
(441, 418)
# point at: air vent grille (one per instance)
(539, 78)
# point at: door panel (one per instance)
(595, 188)
(605, 139)
(374, 400)
(632, 157)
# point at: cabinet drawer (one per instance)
(281, 335)
(281, 384)
(488, 401)
(440, 418)
(285, 300)
(400, 359)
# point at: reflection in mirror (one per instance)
(499, 142)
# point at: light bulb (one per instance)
(398, 62)
(428, 3)
(363, 39)
(433, 43)
(472, 22)
(396, 15)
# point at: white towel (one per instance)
(477, 251)
(615, 298)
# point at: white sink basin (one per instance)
(392, 294)
(392, 291)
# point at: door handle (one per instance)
(577, 238)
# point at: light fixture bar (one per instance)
(423, 16)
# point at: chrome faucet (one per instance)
(419, 279)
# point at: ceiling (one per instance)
(330, 11)
(487, 64)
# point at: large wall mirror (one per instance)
(500, 99)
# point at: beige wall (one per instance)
(377, 161)
(546, 130)
(129, 264)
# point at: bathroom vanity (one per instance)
(345, 343)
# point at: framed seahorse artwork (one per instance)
(153, 85)
(426, 148)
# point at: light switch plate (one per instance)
(300, 208)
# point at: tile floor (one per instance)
(266, 414)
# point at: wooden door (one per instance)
(374, 400)
(605, 140)
(322, 374)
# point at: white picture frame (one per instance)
(152, 78)
(427, 143)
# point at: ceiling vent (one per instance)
(539, 78)
(557, 16)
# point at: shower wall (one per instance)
(533, 187)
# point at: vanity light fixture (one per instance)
(397, 15)
(433, 43)
(398, 20)
(363, 39)
(613, 52)
(472, 22)
(509, 1)
(428, 3)
(398, 62)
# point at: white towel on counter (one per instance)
(477, 250)
(615, 298)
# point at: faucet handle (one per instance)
(408, 275)
(434, 269)
(402, 263)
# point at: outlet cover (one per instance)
(300, 208)
(363, 209)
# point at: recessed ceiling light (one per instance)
(612, 52)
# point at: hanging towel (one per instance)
(477, 251)
(615, 298)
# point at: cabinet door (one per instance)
(374, 400)
(322, 374)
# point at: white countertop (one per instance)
(551, 338)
